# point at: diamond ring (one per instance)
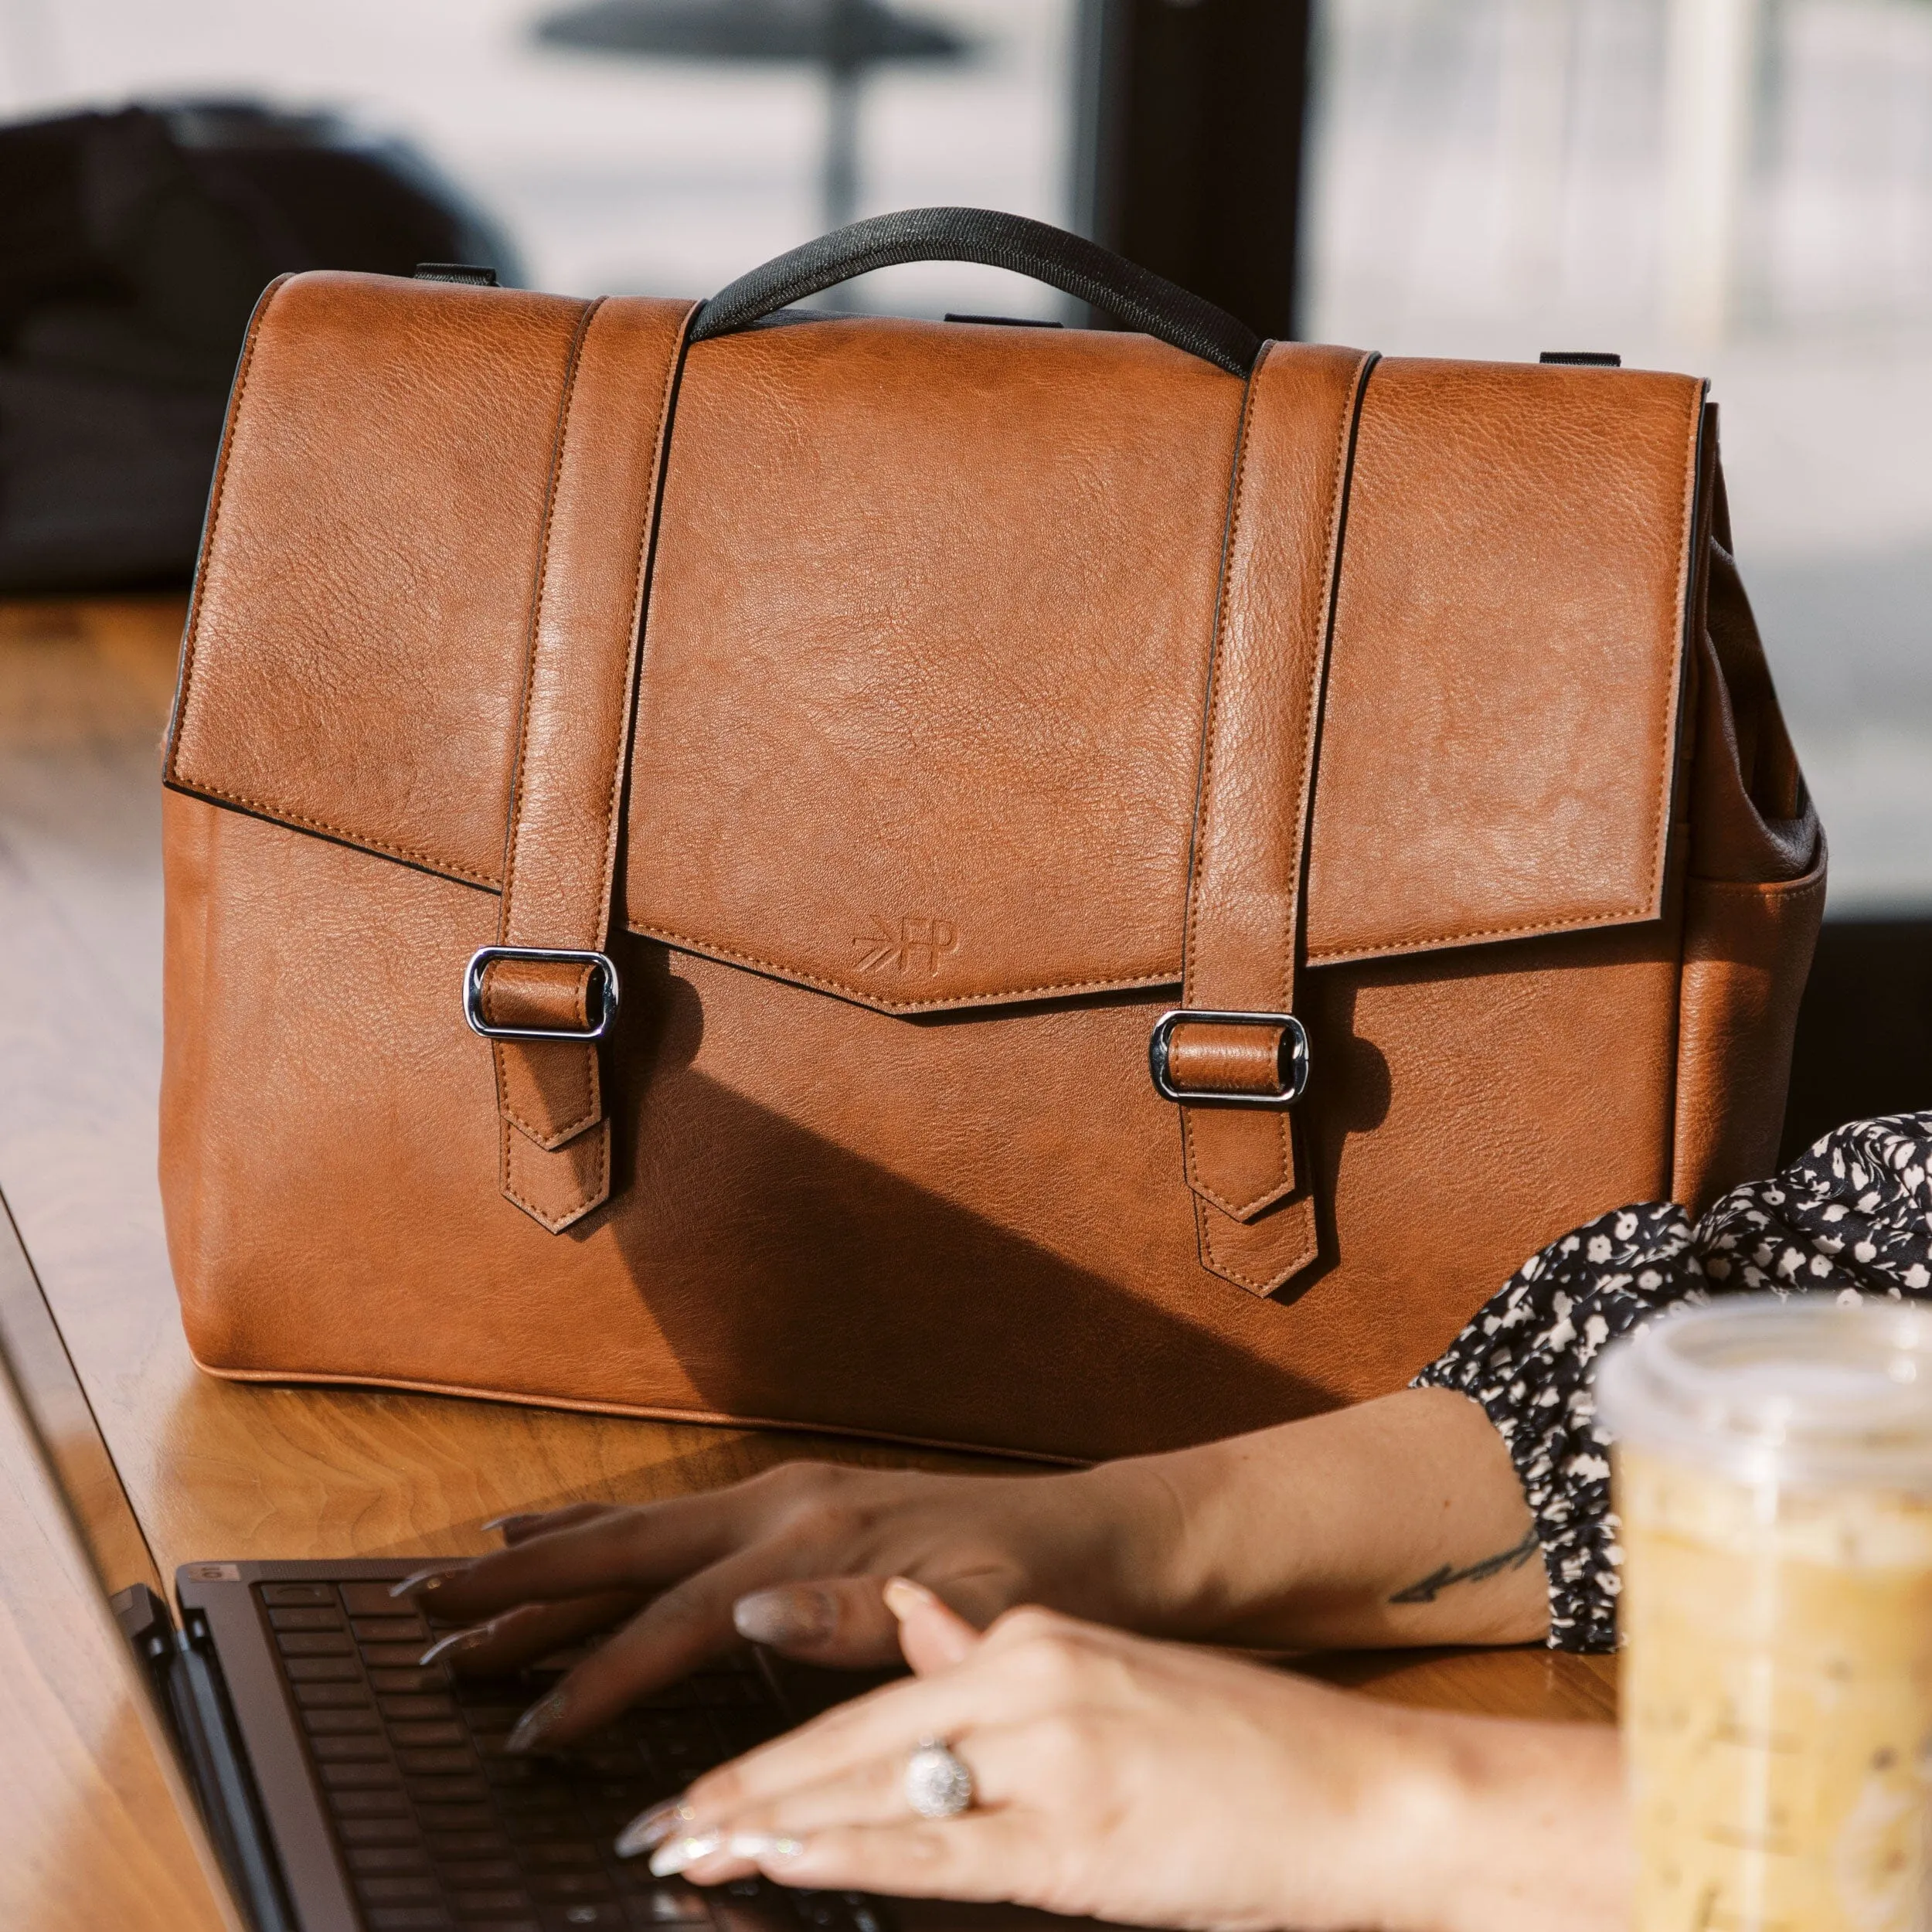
(938, 1784)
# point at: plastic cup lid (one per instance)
(1797, 1388)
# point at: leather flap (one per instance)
(925, 656)
(926, 650)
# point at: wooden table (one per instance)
(217, 1469)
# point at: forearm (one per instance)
(1400, 1521)
(1476, 1824)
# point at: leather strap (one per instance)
(1264, 695)
(560, 853)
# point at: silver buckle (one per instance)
(1291, 1064)
(486, 956)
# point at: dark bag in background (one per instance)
(133, 246)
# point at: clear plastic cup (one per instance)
(1773, 1470)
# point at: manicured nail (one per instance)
(456, 1641)
(514, 1520)
(537, 1723)
(421, 1581)
(903, 1596)
(668, 1860)
(792, 1614)
(681, 1853)
(649, 1829)
(760, 1845)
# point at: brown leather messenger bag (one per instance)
(1066, 890)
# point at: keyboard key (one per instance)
(336, 1750)
(315, 1643)
(660, 1903)
(370, 1600)
(378, 1831)
(329, 1722)
(433, 1762)
(460, 1817)
(406, 1918)
(465, 1845)
(387, 1653)
(490, 1716)
(396, 1708)
(565, 1886)
(447, 1791)
(313, 1697)
(323, 1670)
(350, 1778)
(476, 1905)
(392, 1629)
(370, 1803)
(276, 1593)
(390, 1681)
(372, 1861)
(575, 1918)
(471, 1873)
(562, 1858)
(404, 1891)
(304, 1619)
(441, 1731)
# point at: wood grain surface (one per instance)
(217, 1470)
(95, 1830)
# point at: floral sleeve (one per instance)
(1853, 1215)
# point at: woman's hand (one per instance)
(1398, 1521)
(794, 1558)
(1151, 1783)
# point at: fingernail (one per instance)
(536, 1723)
(420, 1581)
(515, 1519)
(762, 1845)
(456, 1640)
(903, 1596)
(649, 1829)
(668, 1860)
(791, 1613)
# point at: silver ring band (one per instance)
(938, 1785)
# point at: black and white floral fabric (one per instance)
(1853, 1216)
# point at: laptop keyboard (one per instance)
(439, 1828)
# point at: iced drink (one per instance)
(1774, 1475)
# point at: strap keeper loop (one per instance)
(1291, 1058)
(604, 979)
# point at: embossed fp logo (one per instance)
(918, 946)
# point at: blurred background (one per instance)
(1741, 188)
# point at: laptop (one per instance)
(346, 1787)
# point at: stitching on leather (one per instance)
(216, 500)
(1244, 1210)
(550, 1139)
(1316, 680)
(1284, 1128)
(517, 786)
(1204, 1241)
(536, 605)
(709, 949)
(608, 883)
(585, 1201)
(1203, 809)
(1660, 820)
(282, 814)
(1686, 535)
(1620, 916)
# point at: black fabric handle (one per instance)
(1133, 295)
